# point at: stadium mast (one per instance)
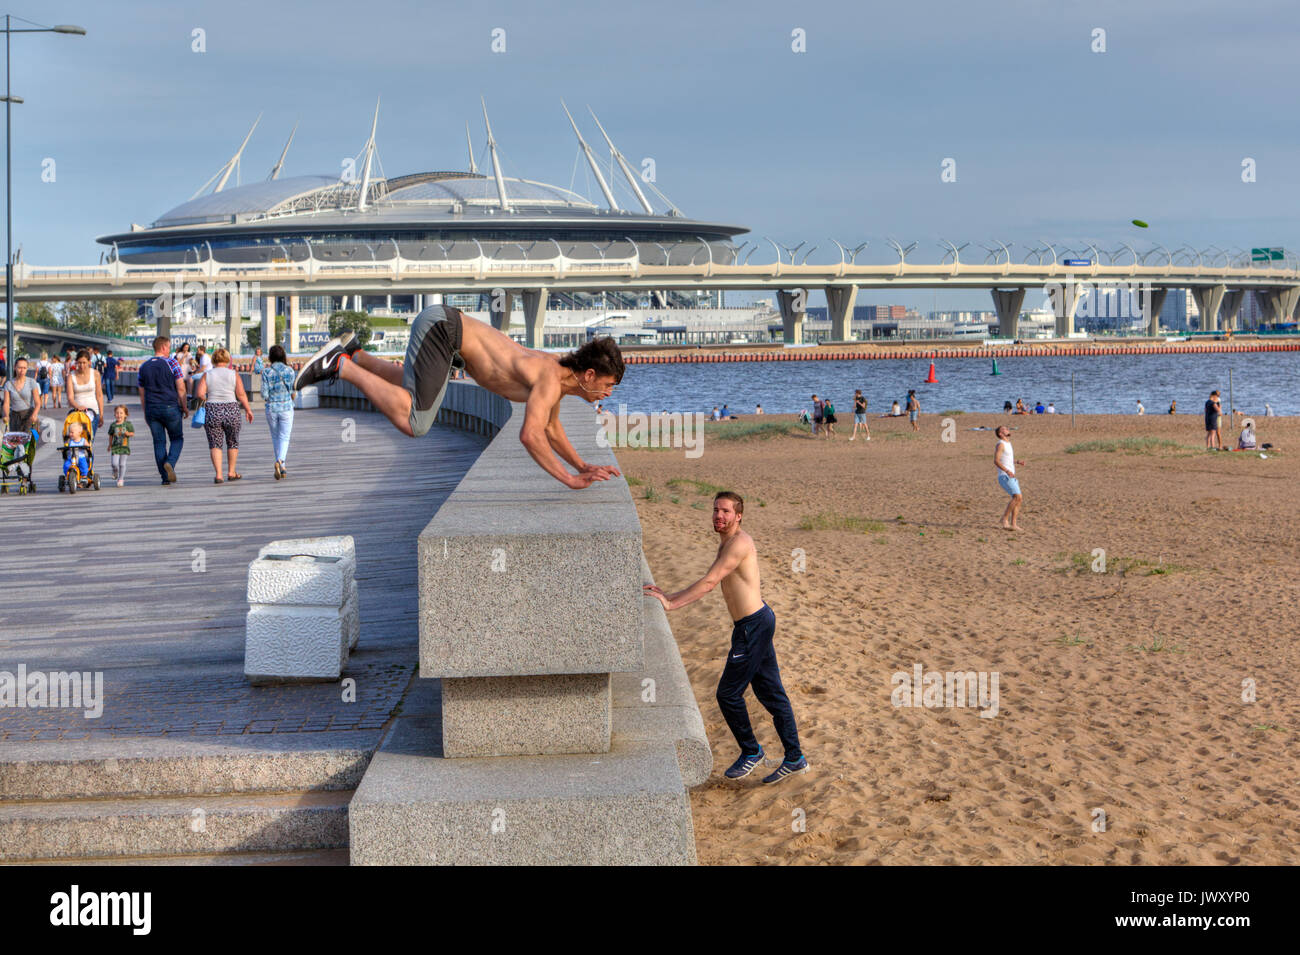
(591, 161)
(496, 163)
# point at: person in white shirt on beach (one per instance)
(1004, 458)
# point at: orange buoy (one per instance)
(931, 379)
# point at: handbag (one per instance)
(200, 417)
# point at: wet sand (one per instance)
(1120, 692)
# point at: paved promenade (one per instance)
(146, 583)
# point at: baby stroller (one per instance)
(17, 450)
(74, 477)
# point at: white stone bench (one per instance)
(342, 546)
(301, 616)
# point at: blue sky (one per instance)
(845, 140)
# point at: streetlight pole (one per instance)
(9, 100)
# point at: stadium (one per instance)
(364, 216)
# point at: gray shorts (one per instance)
(431, 354)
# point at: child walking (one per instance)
(120, 433)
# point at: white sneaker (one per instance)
(852, 437)
(121, 482)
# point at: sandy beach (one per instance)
(1120, 735)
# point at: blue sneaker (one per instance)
(744, 765)
(788, 768)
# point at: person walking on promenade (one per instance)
(1213, 413)
(860, 416)
(278, 393)
(86, 390)
(182, 358)
(56, 382)
(222, 391)
(913, 408)
(443, 339)
(22, 398)
(164, 406)
(110, 375)
(120, 433)
(1004, 459)
(752, 658)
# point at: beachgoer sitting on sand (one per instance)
(1246, 441)
(1020, 407)
(895, 411)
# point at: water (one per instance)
(1109, 384)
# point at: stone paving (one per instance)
(111, 581)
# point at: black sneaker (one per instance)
(324, 365)
(787, 768)
(744, 765)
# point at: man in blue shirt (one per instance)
(164, 406)
(110, 375)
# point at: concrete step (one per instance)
(151, 826)
(184, 766)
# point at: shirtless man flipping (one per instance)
(443, 340)
(752, 659)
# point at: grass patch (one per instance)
(841, 522)
(952, 411)
(700, 487)
(1127, 445)
(1158, 644)
(675, 499)
(651, 494)
(1073, 641)
(879, 540)
(1019, 562)
(634, 482)
(743, 430)
(698, 505)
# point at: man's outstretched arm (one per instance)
(560, 444)
(545, 395)
(727, 561)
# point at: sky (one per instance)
(804, 122)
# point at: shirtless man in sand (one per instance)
(752, 659)
(443, 340)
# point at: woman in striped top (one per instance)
(278, 393)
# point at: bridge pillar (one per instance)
(534, 316)
(1208, 299)
(1065, 302)
(1290, 301)
(291, 325)
(1151, 301)
(268, 322)
(501, 308)
(794, 306)
(839, 302)
(1231, 307)
(234, 332)
(1270, 303)
(1007, 302)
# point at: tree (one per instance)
(356, 322)
(115, 318)
(37, 313)
(254, 334)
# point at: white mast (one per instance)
(275, 173)
(470, 144)
(591, 161)
(224, 172)
(622, 164)
(369, 150)
(496, 163)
